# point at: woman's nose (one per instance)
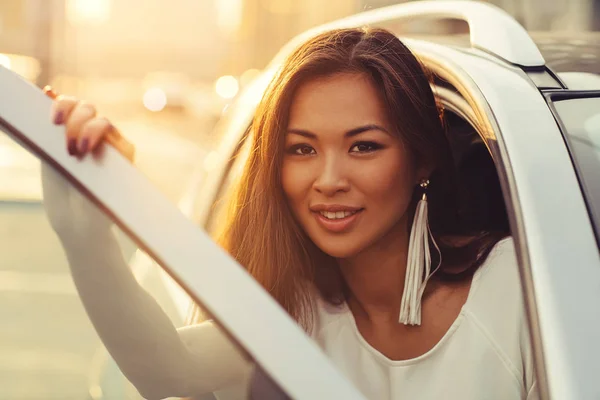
(331, 178)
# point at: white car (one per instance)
(528, 114)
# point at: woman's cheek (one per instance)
(388, 180)
(294, 181)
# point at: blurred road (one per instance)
(47, 345)
(46, 340)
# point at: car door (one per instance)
(280, 356)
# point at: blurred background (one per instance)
(164, 72)
(171, 67)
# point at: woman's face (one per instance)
(346, 175)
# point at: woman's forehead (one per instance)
(342, 100)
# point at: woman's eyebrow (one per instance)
(302, 132)
(350, 133)
(365, 128)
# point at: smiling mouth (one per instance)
(333, 215)
(337, 221)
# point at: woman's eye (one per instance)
(302, 150)
(364, 147)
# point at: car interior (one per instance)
(478, 176)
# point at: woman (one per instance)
(357, 230)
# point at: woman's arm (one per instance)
(158, 359)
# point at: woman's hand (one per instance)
(72, 215)
(86, 131)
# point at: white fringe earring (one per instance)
(418, 266)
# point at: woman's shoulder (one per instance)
(496, 308)
(497, 281)
(495, 302)
(327, 317)
(501, 263)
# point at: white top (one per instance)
(486, 353)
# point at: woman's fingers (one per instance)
(80, 115)
(74, 114)
(85, 131)
(62, 107)
(93, 133)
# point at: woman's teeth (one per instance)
(337, 214)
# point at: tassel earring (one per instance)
(418, 267)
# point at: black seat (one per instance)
(487, 211)
(485, 208)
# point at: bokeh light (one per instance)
(227, 86)
(155, 99)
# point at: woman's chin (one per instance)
(339, 250)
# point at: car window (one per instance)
(581, 126)
(55, 326)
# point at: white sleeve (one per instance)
(160, 360)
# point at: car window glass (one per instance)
(581, 118)
(49, 346)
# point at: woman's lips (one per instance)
(337, 225)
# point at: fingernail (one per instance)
(83, 146)
(72, 147)
(58, 118)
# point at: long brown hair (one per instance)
(260, 231)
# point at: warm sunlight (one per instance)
(4, 61)
(229, 15)
(227, 86)
(27, 67)
(88, 11)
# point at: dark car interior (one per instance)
(478, 176)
